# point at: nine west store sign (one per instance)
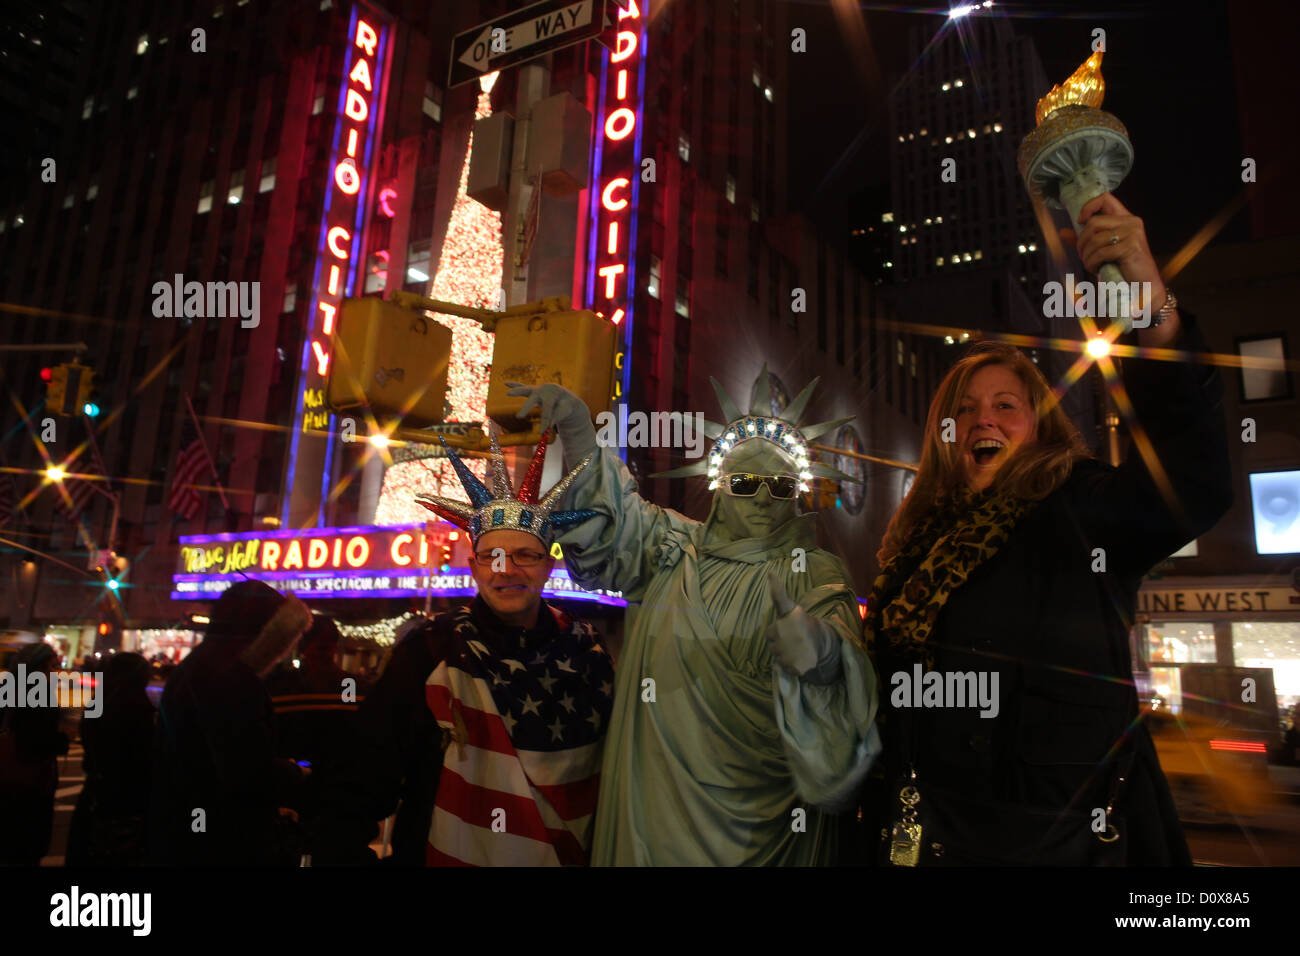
(1161, 599)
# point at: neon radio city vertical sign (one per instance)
(358, 121)
(611, 246)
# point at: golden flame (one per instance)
(1085, 87)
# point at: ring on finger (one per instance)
(1114, 239)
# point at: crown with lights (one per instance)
(501, 509)
(781, 430)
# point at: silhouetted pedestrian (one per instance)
(30, 745)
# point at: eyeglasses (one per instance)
(745, 485)
(522, 559)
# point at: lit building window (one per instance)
(142, 44)
(205, 197)
(946, 87)
(947, 139)
(88, 107)
(938, 218)
(889, 265)
(684, 148)
(1021, 248)
(924, 131)
(652, 286)
(758, 80)
(683, 298)
(902, 229)
(92, 191)
(753, 210)
(997, 127)
(235, 192)
(913, 365)
(900, 350)
(767, 94)
(326, 4)
(939, 261)
(68, 200)
(955, 259)
(965, 257)
(970, 133)
(900, 137)
(267, 182)
(430, 106)
(731, 189)
(1033, 247)
(132, 93)
(886, 217)
(217, 11)
(957, 83)
(928, 221)
(318, 105)
(988, 128)
(290, 298)
(979, 253)
(417, 261)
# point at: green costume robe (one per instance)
(713, 771)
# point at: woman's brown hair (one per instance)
(1035, 470)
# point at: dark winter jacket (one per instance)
(1054, 627)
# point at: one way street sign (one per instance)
(522, 35)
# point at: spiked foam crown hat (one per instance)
(782, 430)
(501, 509)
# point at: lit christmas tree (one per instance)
(469, 273)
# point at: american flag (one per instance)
(520, 776)
(77, 493)
(191, 464)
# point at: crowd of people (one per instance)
(753, 716)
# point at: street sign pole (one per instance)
(534, 80)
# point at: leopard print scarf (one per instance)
(941, 552)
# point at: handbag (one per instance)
(939, 827)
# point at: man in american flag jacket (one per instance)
(489, 720)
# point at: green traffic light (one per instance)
(91, 410)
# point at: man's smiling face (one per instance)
(994, 418)
(513, 593)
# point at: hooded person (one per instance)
(744, 702)
(218, 786)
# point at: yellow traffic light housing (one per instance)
(392, 359)
(56, 388)
(69, 388)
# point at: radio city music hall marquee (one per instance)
(360, 561)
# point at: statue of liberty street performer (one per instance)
(764, 699)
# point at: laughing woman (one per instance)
(1013, 568)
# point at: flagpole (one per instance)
(211, 461)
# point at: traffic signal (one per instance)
(392, 359)
(56, 385)
(570, 348)
(67, 389)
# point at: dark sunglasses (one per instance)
(744, 485)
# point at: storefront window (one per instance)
(1275, 645)
(1182, 642)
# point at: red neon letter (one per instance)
(293, 556)
(362, 552)
(617, 317)
(338, 551)
(352, 142)
(346, 176)
(395, 550)
(607, 195)
(624, 47)
(386, 196)
(630, 11)
(355, 106)
(366, 38)
(622, 84)
(329, 311)
(323, 360)
(361, 74)
(332, 238)
(620, 123)
(613, 239)
(334, 280)
(609, 272)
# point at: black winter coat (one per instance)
(1056, 632)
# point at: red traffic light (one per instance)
(47, 374)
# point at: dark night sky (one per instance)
(1169, 79)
